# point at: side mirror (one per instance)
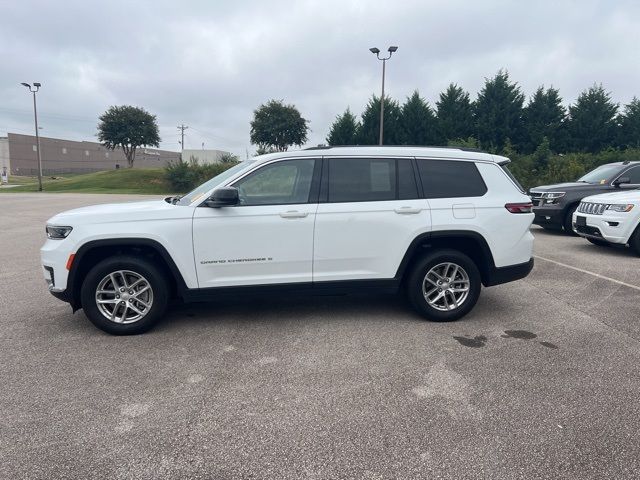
(223, 197)
(620, 181)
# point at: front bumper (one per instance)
(552, 215)
(54, 256)
(612, 228)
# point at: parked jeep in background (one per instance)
(554, 205)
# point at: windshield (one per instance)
(601, 175)
(195, 194)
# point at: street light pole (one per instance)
(36, 87)
(376, 51)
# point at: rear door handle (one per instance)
(407, 210)
(294, 214)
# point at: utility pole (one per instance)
(182, 128)
(376, 52)
(36, 87)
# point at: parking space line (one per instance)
(635, 287)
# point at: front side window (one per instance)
(633, 175)
(281, 183)
(450, 179)
(362, 180)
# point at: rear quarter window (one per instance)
(450, 179)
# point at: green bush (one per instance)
(185, 176)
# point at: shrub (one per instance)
(184, 176)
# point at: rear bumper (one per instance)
(511, 273)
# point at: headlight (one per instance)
(620, 207)
(553, 194)
(552, 197)
(58, 233)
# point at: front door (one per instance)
(268, 237)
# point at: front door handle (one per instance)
(407, 210)
(293, 214)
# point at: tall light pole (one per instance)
(376, 51)
(34, 89)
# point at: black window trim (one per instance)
(313, 189)
(324, 183)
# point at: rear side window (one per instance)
(362, 179)
(506, 170)
(450, 179)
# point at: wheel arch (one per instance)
(95, 251)
(468, 242)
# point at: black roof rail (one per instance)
(448, 147)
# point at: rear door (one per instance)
(369, 212)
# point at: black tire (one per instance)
(417, 277)
(153, 275)
(568, 221)
(599, 243)
(634, 241)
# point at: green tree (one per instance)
(344, 130)
(499, 112)
(418, 122)
(128, 128)
(454, 114)
(592, 120)
(370, 125)
(630, 124)
(543, 117)
(278, 126)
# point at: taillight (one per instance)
(519, 207)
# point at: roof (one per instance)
(391, 151)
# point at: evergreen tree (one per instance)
(498, 112)
(543, 117)
(344, 130)
(592, 120)
(418, 122)
(630, 125)
(454, 114)
(370, 126)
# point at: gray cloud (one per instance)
(209, 64)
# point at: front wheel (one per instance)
(598, 242)
(634, 241)
(568, 221)
(444, 285)
(124, 295)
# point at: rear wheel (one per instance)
(568, 221)
(444, 285)
(124, 295)
(600, 243)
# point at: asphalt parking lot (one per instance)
(541, 380)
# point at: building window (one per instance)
(64, 150)
(106, 154)
(35, 149)
(86, 153)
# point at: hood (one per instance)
(628, 196)
(563, 187)
(122, 212)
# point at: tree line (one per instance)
(497, 119)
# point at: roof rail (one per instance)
(448, 147)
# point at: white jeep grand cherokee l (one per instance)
(436, 222)
(610, 218)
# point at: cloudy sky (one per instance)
(209, 64)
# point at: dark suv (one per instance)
(554, 205)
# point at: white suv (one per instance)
(610, 218)
(436, 222)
